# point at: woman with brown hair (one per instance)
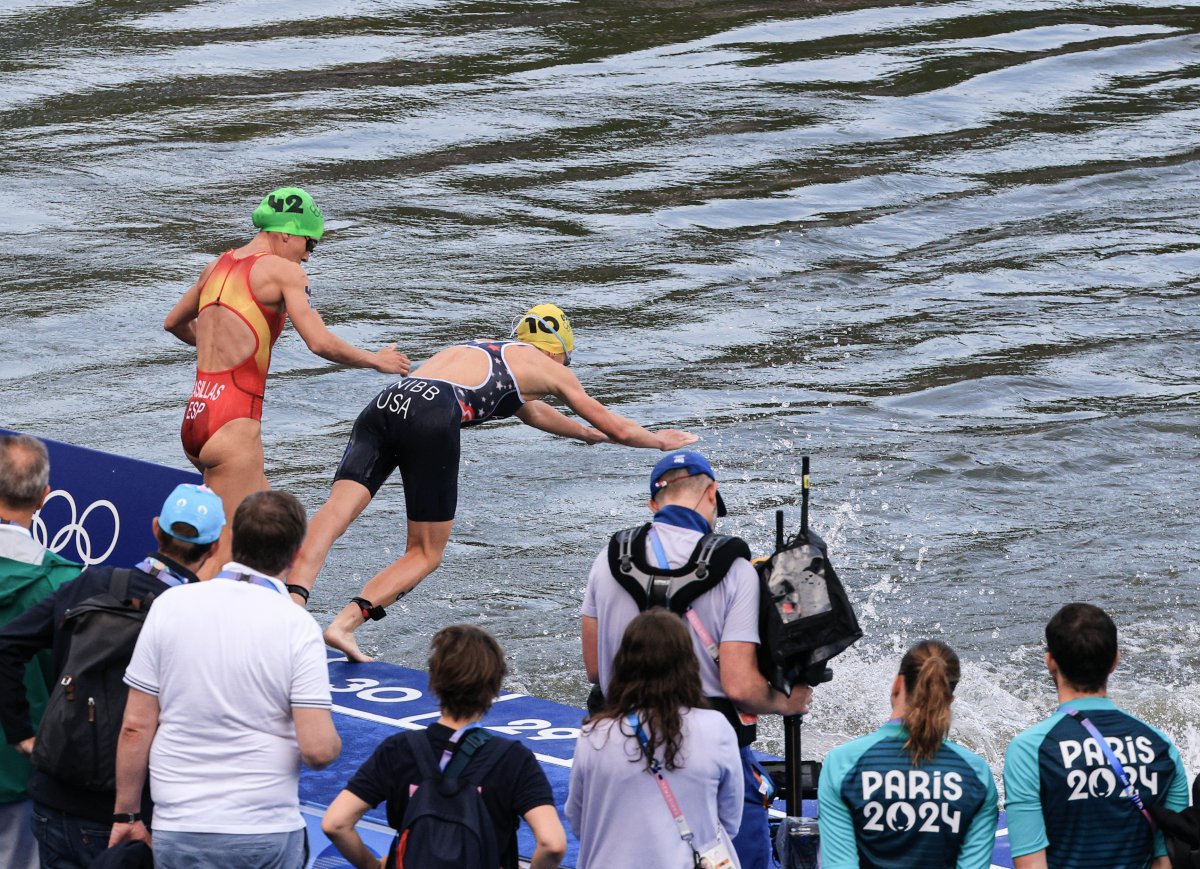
(466, 667)
(657, 778)
(906, 795)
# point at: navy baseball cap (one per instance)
(198, 506)
(687, 460)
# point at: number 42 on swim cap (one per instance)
(290, 210)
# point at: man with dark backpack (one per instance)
(91, 624)
(454, 792)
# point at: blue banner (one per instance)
(100, 505)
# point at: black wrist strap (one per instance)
(126, 817)
(298, 590)
(369, 610)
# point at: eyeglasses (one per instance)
(310, 244)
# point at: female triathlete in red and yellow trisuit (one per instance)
(232, 315)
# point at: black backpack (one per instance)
(1181, 831)
(77, 740)
(675, 588)
(446, 824)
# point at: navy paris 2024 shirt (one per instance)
(879, 811)
(1062, 795)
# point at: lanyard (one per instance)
(160, 571)
(660, 555)
(454, 740)
(656, 769)
(251, 578)
(1115, 762)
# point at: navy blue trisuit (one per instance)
(414, 425)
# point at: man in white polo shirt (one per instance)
(229, 692)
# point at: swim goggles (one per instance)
(534, 321)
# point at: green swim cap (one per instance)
(290, 210)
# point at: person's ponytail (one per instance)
(931, 672)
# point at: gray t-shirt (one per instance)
(729, 612)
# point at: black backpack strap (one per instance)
(427, 763)
(118, 585)
(620, 563)
(486, 757)
(714, 555)
(649, 586)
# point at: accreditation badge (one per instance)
(716, 856)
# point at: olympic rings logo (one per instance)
(75, 528)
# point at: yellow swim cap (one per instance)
(547, 328)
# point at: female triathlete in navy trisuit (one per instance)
(414, 425)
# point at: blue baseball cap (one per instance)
(686, 460)
(198, 506)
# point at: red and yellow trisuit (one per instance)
(234, 393)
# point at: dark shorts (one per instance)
(412, 425)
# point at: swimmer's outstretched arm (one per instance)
(310, 326)
(618, 429)
(546, 418)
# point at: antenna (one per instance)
(804, 500)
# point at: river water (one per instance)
(948, 250)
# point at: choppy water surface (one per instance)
(949, 250)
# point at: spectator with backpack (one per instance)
(90, 625)
(228, 694)
(454, 792)
(655, 735)
(28, 573)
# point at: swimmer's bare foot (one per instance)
(340, 634)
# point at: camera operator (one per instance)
(722, 620)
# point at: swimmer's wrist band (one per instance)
(298, 590)
(369, 610)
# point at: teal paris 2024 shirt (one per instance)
(878, 810)
(1061, 795)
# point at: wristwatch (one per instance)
(126, 817)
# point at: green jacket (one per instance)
(21, 586)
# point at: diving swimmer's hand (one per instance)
(672, 439)
(389, 361)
